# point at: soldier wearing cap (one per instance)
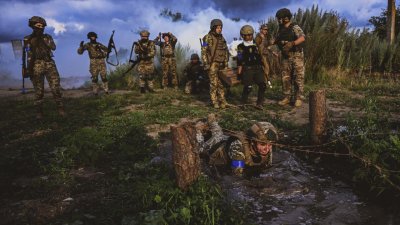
(195, 74)
(146, 50)
(97, 54)
(38, 49)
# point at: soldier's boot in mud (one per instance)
(105, 87)
(215, 105)
(39, 113)
(260, 95)
(142, 90)
(284, 101)
(223, 104)
(95, 89)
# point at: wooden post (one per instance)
(391, 21)
(186, 157)
(317, 115)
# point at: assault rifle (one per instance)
(111, 47)
(132, 61)
(27, 63)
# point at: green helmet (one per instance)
(36, 19)
(263, 131)
(284, 12)
(246, 30)
(144, 33)
(91, 34)
(194, 56)
(215, 22)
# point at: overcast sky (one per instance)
(70, 20)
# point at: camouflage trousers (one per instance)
(266, 66)
(146, 74)
(42, 69)
(217, 94)
(169, 68)
(293, 71)
(98, 67)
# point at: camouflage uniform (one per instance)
(97, 54)
(38, 50)
(214, 53)
(168, 60)
(146, 50)
(197, 79)
(263, 43)
(237, 150)
(292, 64)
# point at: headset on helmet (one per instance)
(36, 19)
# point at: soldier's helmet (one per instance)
(282, 13)
(194, 57)
(144, 33)
(215, 22)
(91, 34)
(246, 30)
(263, 131)
(36, 19)
(263, 26)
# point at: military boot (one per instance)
(298, 103)
(39, 113)
(284, 101)
(215, 105)
(223, 104)
(105, 87)
(95, 89)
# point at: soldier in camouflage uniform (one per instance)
(263, 43)
(242, 151)
(195, 74)
(38, 48)
(214, 53)
(250, 65)
(146, 50)
(168, 60)
(290, 40)
(97, 54)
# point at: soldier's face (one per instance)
(263, 148)
(144, 38)
(195, 61)
(248, 37)
(39, 25)
(264, 31)
(92, 38)
(166, 38)
(283, 21)
(218, 29)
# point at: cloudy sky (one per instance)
(70, 20)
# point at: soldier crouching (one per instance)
(244, 152)
(196, 76)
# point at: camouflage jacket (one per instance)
(194, 72)
(145, 50)
(96, 50)
(167, 49)
(214, 49)
(39, 48)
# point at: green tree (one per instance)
(380, 23)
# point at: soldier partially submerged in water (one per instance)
(244, 151)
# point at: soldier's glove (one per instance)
(287, 47)
(81, 44)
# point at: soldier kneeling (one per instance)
(244, 152)
(197, 79)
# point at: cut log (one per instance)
(186, 157)
(317, 114)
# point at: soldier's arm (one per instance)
(174, 40)
(157, 41)
(82, 48)
(138, 49)
(239, 58)
(103, 47)
(301, 37)
(152, 50)
(49, 42)
(226, 55)
(204, 51)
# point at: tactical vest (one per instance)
(95, 51)
(286, 34)
(219, 47)
(168, 50)
(252, 158)
(38, 49)
(147, 46)
(249, 55)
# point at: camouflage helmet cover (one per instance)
(194, 56)
(144, 33)
(246, 30)
(36, 19)
(263, 131)
(91, 34)
(284, 12)
(215, 22)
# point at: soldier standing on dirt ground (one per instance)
(243, 151)
(290, 40)
(196, 76)
(250, 66)
(38, 48)
(146, 50)
(168, 60)
(97, 54)
(263, 42)
(214, 53)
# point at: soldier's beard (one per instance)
(38, 31)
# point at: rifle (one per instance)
(161, 54)
(134, 62)
(110, 47)
(26, 67)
